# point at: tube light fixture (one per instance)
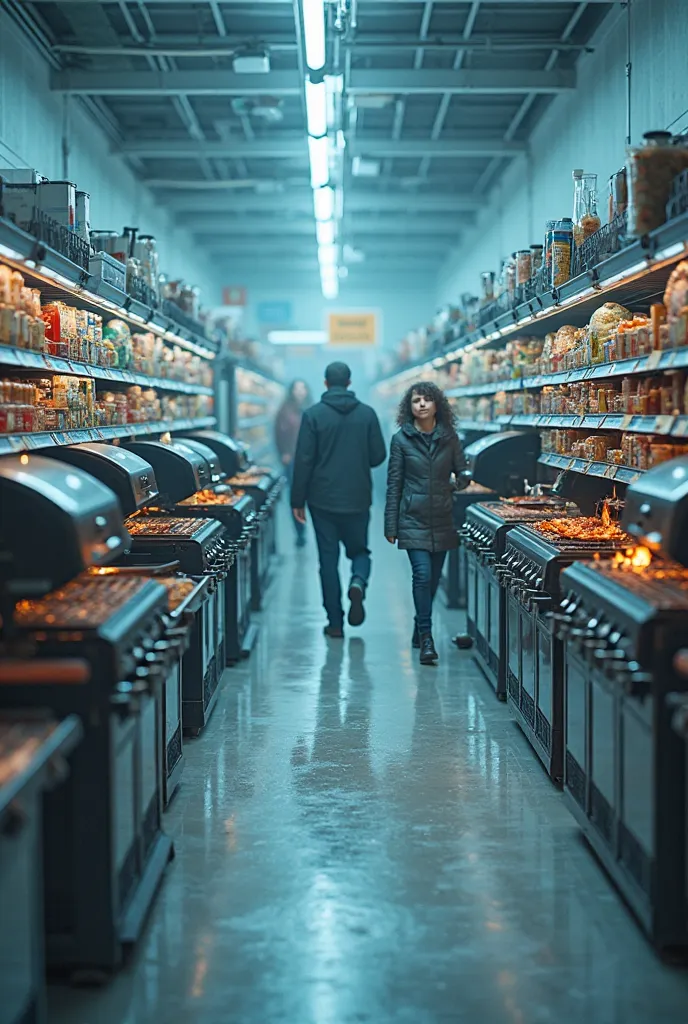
(327, 255)
(329, 284)
(316, 108)
(323, 203)
(314, 33)
(324, 232)
(318, 154)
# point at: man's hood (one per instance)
(340, 399)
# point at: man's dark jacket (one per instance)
(340, 441)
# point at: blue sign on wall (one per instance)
(274, 313)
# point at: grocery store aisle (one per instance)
(360, 839)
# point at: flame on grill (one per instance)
(605, 517)
(633, 559)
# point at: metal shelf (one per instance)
(58, 277)
(608, 470)
(655, 362)
(31, 442)
(626, 422)
(22, 359)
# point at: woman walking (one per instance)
(287, 426)
(425, 453)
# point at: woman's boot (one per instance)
(428, 654)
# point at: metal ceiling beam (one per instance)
(294, 147)
(286, 83)
(178, 46)
(176, 83)
(431, 81)
(297, 203)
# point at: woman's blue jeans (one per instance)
(426, 567)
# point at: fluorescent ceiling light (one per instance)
(330, 287)
(320, 170)
(323, 203)
(297, 337)
(327, 255)
(316, 108)
(314, 33)
(324, 232)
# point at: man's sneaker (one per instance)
(356, 610)
(334, 632)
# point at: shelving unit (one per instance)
(257, 399)
(10, 443)
(59, 278)
(634, 277)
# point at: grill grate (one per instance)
(575, 780)
(513, 687)
(163, 526)
(84, 603)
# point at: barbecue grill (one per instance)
(624, 766)
(105, 849)
(485, 533)
(530, 571)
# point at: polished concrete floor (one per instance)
(362, 840)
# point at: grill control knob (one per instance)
(645, 509)
(101, 522)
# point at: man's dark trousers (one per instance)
(331, 530)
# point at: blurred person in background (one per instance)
(287, 426)
(340, 441)
(424, 454)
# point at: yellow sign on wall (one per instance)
(353, 329)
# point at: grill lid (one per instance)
(208, 454)
(504, 461)
(231, 453)
(179, 471)
(656, 509)
(127, 474)
(55, 521)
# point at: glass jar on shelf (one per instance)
(618, 194)
(651, 169)
(487, 281)
(524, 266)
(585, 217)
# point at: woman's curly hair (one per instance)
(445, 413)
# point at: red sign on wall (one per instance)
(233, 295)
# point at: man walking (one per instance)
(340, 441)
